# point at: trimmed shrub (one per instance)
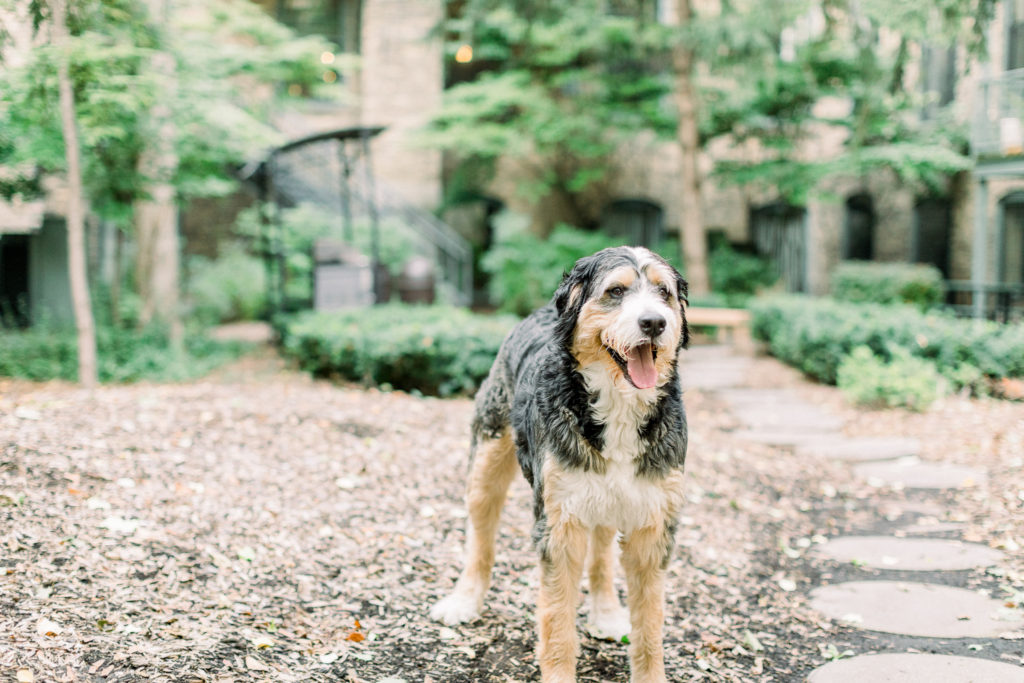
(904, 380)
(815, 335)
(438, 350)
(122, 355)
(888, 283)
(737, 276)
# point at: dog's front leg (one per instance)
(643, 559)
(562, 556)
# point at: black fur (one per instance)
(535, 389)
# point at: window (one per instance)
(1011, 243)
(340, 21)
(938, 77)
(1015, 34)
(859, 228)
(637, 220)
(931, 233)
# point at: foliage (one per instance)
(525, 269)
(903, 380)
(124, 355)
(558, 86)
(227, 54)
(771, 65)
(230, 287)
(737, 276)
(815, 335)
(887, 283)
(438, 350)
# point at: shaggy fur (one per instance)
(584, 396)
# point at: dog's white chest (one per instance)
(617, 498)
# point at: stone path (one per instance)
(912, 607)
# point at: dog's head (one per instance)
(624, 307)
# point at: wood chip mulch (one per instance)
(262, 526)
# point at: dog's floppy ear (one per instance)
(571, 294)
(684, 291)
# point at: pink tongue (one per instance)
(640, 366)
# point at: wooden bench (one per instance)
(734, 321)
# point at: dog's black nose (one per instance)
(652, 324)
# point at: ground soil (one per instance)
(260, 525)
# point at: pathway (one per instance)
(919, 605)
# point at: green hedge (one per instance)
(816, 335)
(439, 350)
(123, 355)
(888, 283)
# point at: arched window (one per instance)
(859, 228)
(1011, 239)
(779, 231)
(638, 221)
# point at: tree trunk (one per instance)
(156, 217)
(693, 242)
(84, 323)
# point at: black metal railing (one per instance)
(999, 302)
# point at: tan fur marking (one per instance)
(558, 643)
(493, 468)
(588, 348)
(624, 275)
(642, 554)
(601, 567)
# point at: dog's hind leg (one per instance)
(493, 468)
(608, 619)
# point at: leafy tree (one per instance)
(224, 59)
(767, 81)
(556, 86)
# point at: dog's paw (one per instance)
(457, 608)
(609, 623)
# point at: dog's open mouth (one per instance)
(638, 365)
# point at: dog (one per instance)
(584, 399)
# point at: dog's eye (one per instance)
(664, 293)
(615, 292)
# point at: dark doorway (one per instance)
(932, 226)
(637, 221)
(14, 281)
(779, 232)
(859, 228)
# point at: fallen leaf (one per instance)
(25, 676)
(262, 641)
(254, 664)
(47, 627)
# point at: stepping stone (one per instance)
(861, 449)
(713, 378)
(917, 668)
(914, 474)
(778, 436)
(915, 609)
(909, 554)
(793, 416)
(743, 397)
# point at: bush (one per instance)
(905, 380)
(888, 283)
(439, 350)
(231, 287)
(122, 355)
(525, 269)
(815, 335)
(737, 276)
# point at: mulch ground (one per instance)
(259, 525)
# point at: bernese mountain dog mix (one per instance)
(584, 398)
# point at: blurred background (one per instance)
(299, 161)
